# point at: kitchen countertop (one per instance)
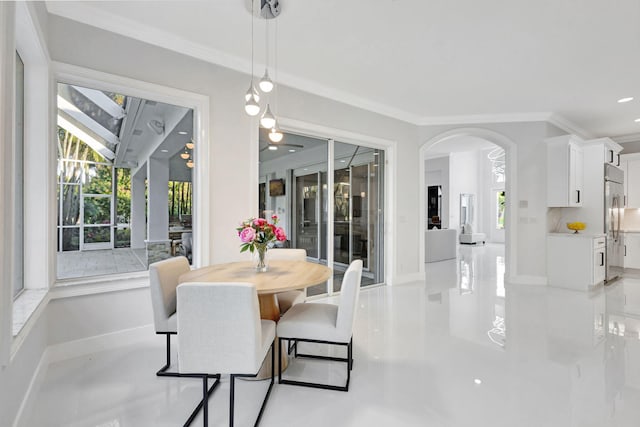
(578, 235)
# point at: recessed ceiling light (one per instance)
(623, 100)
(477, 381)
(306, 169)
(291, 150)
(273, 147)
(637, 120)
(343, 161)
(164, 151)
(182, 132)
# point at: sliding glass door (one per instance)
(336, 217)
(358, 211)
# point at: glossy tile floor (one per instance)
(455, 350)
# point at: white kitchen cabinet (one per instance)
(631, 250)
(631, 165)
(575, 261)
(612, 153)
(564, 172)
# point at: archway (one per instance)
(511, 187)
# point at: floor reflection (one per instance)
(459, 348)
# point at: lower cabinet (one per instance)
(575, 261)
(631, 250)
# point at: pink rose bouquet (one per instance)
(258, 234)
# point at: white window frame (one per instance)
(74, 75)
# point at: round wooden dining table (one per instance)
(281, 276)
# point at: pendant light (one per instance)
(275, 135)
(185, 154)
(268, 120)
(251, 97)
(266, 85)
(190, 145)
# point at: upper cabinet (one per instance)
(564, 171)
(612, 153)
(630, 163)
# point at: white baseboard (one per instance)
(407, 278)
(36, 382)
(84, 346)
(76, 348)
(527, 280)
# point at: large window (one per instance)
(124, 177)
(18, 179)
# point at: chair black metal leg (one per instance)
(280, 360)
(231, 397)
(205, 398)
(205, 403)
(348, 360)
(273, 374)
(163, 371)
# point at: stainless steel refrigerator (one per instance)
(613, 211)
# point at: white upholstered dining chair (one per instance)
(220, 332)
(288, 299)
(163, 281)
(324, 324)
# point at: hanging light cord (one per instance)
(275, 66)
(266, 39)
(252, 2)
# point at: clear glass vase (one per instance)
(261, 258)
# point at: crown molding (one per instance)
(632, 137)
(569, 127)
(89, 15)
(484, 118)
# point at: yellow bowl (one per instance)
(576, 226)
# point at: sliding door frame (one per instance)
(390, 147)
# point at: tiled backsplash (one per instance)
(631, 220)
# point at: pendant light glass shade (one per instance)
(268, 120)
(266, 85)
(251, 107)
(190, 164)
(252, 92)
(275, 135)
(190, 145)
(185, 155)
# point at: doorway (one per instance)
(500, 189)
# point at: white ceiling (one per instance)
(422, 61)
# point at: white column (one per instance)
(158, 243)
(138, 205)
(158, 218)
